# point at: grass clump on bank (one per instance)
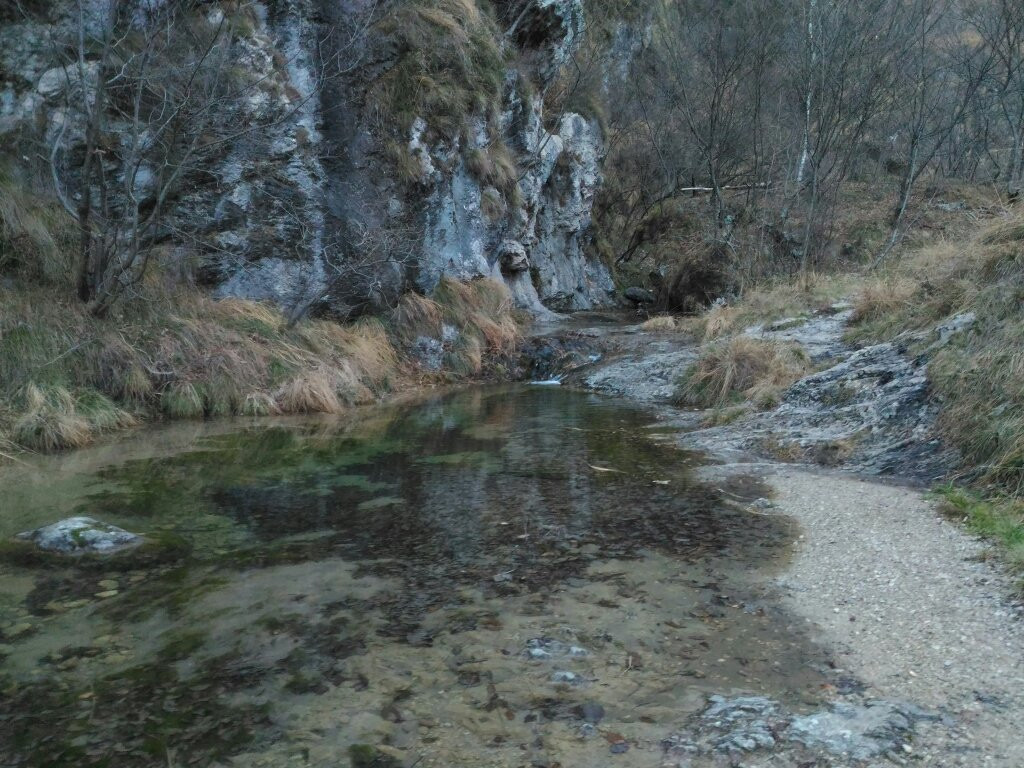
(468, 323)
(975, 374)
(741, 368)
(36, 234)
(67, 377)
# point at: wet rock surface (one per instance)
(867, 409)
(870, 412)
(80, 535)
(820, 334)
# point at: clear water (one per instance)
(506, 577)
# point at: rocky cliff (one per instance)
(378, 148)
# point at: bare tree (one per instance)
(1000, 27)
(141, 114)
(945, 74)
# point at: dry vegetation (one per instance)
(741, 368)
(449, 69)
(172, 352)
(66, 377)
(977, 375)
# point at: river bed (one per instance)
(507, 576)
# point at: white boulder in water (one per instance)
(81, 535)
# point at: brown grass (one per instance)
(66, 377)
(741, 368)
(882, 297)
(661, 323)
(36, 235)
(977, 375)
(774, 301)
(311, 392)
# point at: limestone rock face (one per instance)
(551, 223)
(273, 213)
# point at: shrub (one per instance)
(449, 66)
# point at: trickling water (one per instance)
(509, 576)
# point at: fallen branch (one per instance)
(727, 187)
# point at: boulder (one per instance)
(513, 258)
(639, 295)
(54, 82)
(81, 535)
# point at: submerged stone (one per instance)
(860, 731)
(81, 535)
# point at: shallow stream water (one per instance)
(507, 576)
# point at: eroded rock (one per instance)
(513, 258)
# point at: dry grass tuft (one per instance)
(473, 321)
(49, 422)
(882, 297)
(36, 235)
(661, 323)
(741, 368)
(416, 316)
(720, 320)
(54, 418)
(310, 392)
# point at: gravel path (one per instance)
(912, 608)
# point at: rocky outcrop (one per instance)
(851, 730)
(870, 410)
(301, 196)
(548, 227)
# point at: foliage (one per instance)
(449, 66)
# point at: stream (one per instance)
(502, 576)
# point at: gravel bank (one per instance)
(907, 601)
(911, 608)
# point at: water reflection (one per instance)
(332, 584)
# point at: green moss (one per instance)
(998, 518)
